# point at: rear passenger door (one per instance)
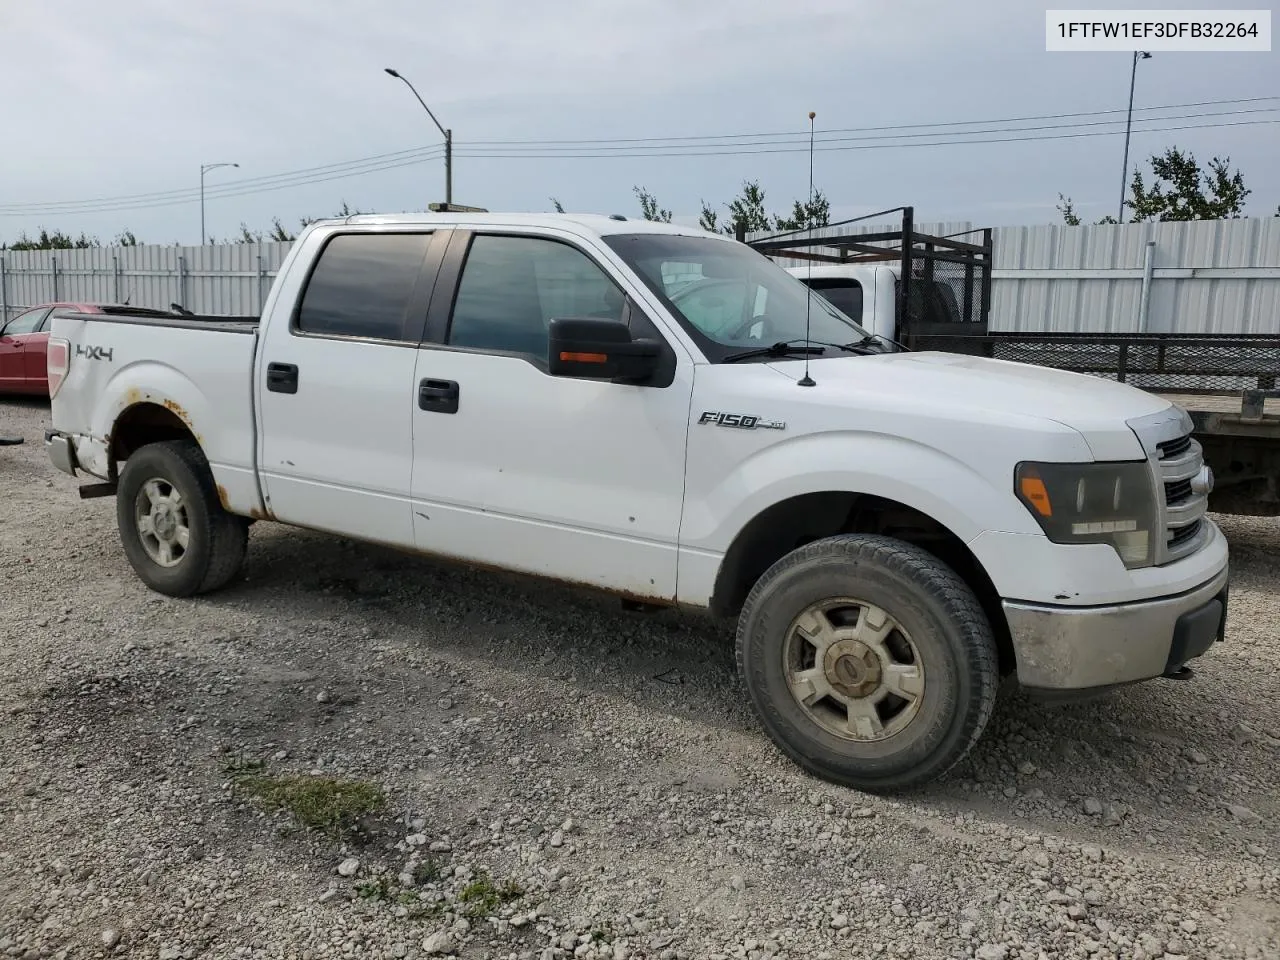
(335, 386)
(575, 479)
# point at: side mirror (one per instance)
(600, 350)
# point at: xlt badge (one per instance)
(743, 421)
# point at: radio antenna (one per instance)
(806, 380)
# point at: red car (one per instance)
(24, 345)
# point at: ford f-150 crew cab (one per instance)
(669, 415)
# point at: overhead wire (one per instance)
(901, 126)
(926, 135)
(689, 149)
(235, 188)
(746, 151)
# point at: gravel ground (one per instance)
(567, 779)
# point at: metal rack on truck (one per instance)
(1226, 382)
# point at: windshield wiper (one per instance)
(800, 348)
(783, 348)
(870, 338)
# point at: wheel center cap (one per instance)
(163, 522)
(851, 671)
(852, 668)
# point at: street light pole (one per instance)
(205, 168)
(1124, 172)
(448, 137)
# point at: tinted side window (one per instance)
(28, 322)
(362, 285)
(513, 287)
(845, 295)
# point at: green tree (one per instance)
(1183, 191)
(1071, 218)
(1068, 211)
(278, 232)
(709, 220)
(814, 212)
(746, 211)
(53, 241)
(126, 238)
(558, 205)
(649, 208)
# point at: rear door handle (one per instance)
(438, 396)
(282, 377)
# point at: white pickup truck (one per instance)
(668, 415)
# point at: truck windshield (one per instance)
(729, 297)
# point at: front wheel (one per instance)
(868, 661)
(173, 529)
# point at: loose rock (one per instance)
(348, 867)
(438, 943)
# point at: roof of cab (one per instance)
(591, 223)
(840, 270)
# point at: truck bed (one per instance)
(221, 322)
(198, 373)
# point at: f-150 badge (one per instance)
(741, 421)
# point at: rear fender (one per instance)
(201, 414)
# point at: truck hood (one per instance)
(1097, 409)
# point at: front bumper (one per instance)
(61, 453)
(1077, 648)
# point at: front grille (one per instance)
(1174, 448)
(1180, 460)
(1182, 535)
(1177, 491)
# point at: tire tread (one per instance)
(228, 533)
(948, 588)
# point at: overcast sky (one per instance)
(130, 97)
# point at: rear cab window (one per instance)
(844, 294)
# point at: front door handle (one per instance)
(282, 377)
(438, 396)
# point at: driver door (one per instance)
(574, 479)
(13, 372)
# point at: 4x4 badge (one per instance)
(94, 353)
(742, 421)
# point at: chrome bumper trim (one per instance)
(1064, 648)
(61, 453)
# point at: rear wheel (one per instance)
(173, 529)
(869, 661)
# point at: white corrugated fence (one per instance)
(1219, 276)
(226, 278)
(1209, 276)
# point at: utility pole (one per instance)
(1124, 172)
(205, 168)
(448, 137)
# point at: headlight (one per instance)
(1112, 503)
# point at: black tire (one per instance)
(948, 631)
(217, 539)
